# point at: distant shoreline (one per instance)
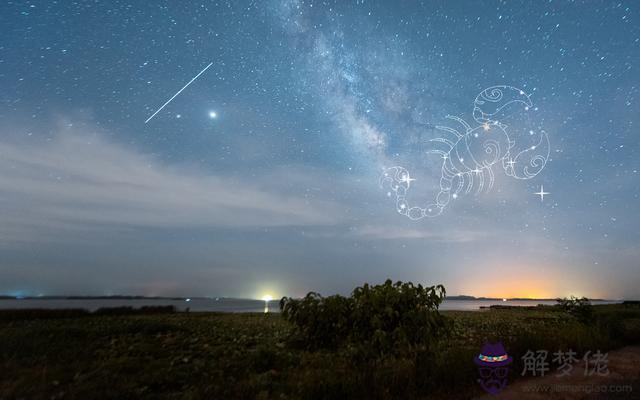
(226, 304)
(128, 297)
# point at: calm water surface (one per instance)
(230, 305)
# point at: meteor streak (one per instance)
(179, 91)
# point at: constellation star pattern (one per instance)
(469, 154)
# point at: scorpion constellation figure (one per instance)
(470, 156)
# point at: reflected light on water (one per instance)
(266, 298)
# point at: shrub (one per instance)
(580, 308)
(321, 321)
(392, 318)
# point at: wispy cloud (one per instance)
(82, 181)
(385, 232)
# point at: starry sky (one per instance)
(263, 174)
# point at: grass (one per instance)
(216, 356)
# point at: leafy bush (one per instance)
(580, 308)
(321, 321)
(392, 318)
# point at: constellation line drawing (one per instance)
(469, 153)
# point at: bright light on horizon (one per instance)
(267, 298)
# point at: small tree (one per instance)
(388, 318)
(321, 321)
(580, 308)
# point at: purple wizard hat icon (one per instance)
(493, 366)
(493, 355)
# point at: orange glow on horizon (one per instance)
(527, 282)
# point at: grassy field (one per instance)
(220, 356)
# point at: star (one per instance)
(213, 115)
(406, 178)
(510, 163)
(541, 193)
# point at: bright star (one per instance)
(541, 193)
(406, 178)
(213, 115)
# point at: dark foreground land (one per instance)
(228, 356)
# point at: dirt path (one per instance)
(623, 382)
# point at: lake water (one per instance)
(229, 305)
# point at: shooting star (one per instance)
(179, 91)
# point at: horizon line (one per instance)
(182, 297)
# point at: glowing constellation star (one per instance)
(468, 155)
(541, 193)
(406, 178)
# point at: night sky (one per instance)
(262, 176)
